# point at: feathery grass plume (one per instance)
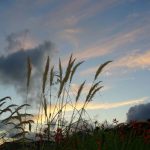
(99, 70)
(79, 91)
(51, 76)
(94, 92)
(91, 90)
(60, 70)
(45, 75)
(74, 69)
(29, 67)
(61, 88)
(68, 70)
(45, 106)
(67, 74)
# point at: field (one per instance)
(76, 134)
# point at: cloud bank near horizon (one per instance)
(139, 112)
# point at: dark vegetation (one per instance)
(77, 134)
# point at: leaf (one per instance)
(18, 135)
(17, 117)
(20, 107)
(16, 111)
(12, 105)
(5, 110)
(25, 122)
(99, 70)
(7, 97)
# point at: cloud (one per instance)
(89, 71)
(71, 13)
(94, 106)
(136, 60)
(19, 40)
(13, 67)
(139, 112)
(70, 35)
(107, 47)
(116, 104)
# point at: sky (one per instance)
(95, 31)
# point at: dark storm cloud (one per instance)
(13, 68)
(139, 112)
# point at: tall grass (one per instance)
(61, 81)
(56, 96)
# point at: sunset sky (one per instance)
(93, 30)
